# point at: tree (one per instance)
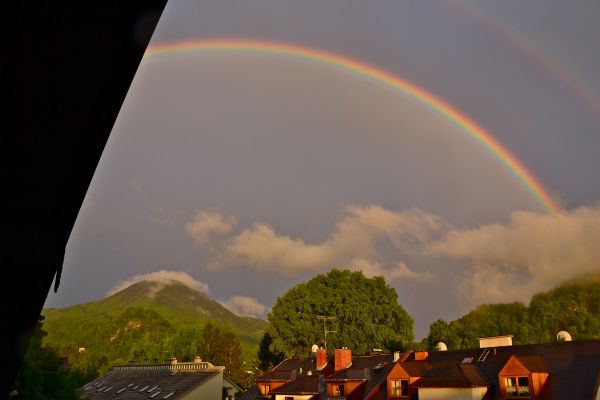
(221, 347)
(366, 310)
(268, 356)
(43, 375)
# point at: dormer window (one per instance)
(338, 390)
(399, 387)
(517, 386)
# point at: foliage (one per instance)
(268, 356)
(573, 306)
(222, 347)
(367, 315)
(44, 375)
(146, 322)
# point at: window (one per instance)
(517, 386)
(399, 387)
(338, 390)
(267, 389)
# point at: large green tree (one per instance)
(365, 310)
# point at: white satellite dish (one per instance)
(563, 336)
(441, 346)
(314, 348)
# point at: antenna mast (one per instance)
(325, 331)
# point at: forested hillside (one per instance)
(574, 306)
(147, 322)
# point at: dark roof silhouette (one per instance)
(70, 66)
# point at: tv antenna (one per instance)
(325, 331)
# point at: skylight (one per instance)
(169, 395)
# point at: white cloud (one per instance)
(395, 271)
(246, 306)
(161, 279)
(207, 224)
(357, 236)
(531, 253)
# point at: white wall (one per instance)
(452, 393)
(295, 396)
(211, 389)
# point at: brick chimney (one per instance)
(421, 355)
(321, 358)
(343, 358)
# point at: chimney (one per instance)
(172, 361)
(321, 358)
(396, 356)
(421, 355)
(343, 358)
(197, 360)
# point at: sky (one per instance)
(449, 146)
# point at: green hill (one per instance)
(144, 318)
(573, 306)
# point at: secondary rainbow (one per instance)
(377, 74)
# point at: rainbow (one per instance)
(535, 53)
(516, 167)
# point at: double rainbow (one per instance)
(516, 167)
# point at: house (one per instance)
(497, 370)
(173, 381)
(343, 376)
(561, 370)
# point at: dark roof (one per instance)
(278, 376)
(250, 394)
(416, 368)
(455, 375)
(349, 374)
(306, 384)
(145, 382)
(533, 363)
(381, 367)
(362, 368)
(288, 370)
(573, 366)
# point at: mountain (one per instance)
(148, 310)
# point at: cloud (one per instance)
(395, 271)
(358, 239)
(161, 279)
(207, 224)
(246, 306)
(531, 253)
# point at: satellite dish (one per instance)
(563, 336)
(314, 348)
(441, 346)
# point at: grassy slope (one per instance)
(87, 325)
